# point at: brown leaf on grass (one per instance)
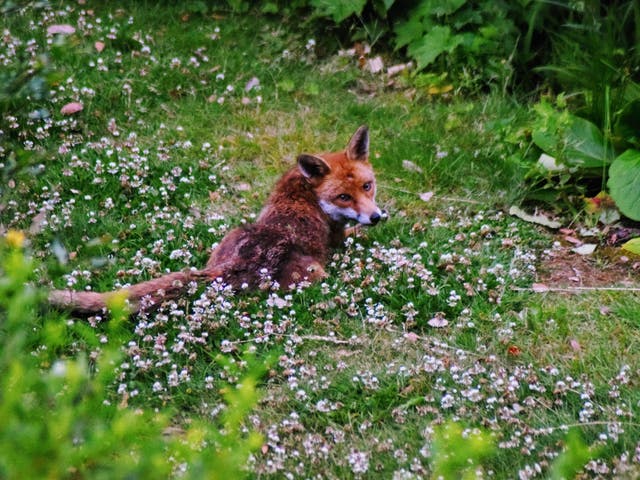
(71, 108)
(38, 222)
(514, 350)
(575, 345)
(411, 337)
(539, 288)
(375, 65)
(585, 249)
(409, 166)
(426, 196)
(63, 29)
(539, 219)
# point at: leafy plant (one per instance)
(624, 182)
(580, 150)
(60, 420)
(572, 459)
(458, 452)
(338, 11)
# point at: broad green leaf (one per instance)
(438, 40)
(572, 140)
(632, 246)
(624, 183)
(446, 7)
(338, 10)
(409, 31)
(437, 8)
(585, 145)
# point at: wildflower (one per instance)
(438, 321)
(359, 461)
(15, 238)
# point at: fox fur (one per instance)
(304, 218)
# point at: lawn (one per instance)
(427, 351)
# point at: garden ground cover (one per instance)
(428, 319)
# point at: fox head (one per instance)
(344, 182)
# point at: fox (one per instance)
(305, 218)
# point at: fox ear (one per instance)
(312, 167)
(358, 147)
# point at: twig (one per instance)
(575, 289)
(436, 196)
(591, 424)
(337, 341)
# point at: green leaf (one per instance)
(624, 183)
(270, 7)
(632, 246)
(446, 7)
(437, 41)
(585, 145)
(409, 31)
(437, 8)
(287, 85)
(338, 10)
(572, 140)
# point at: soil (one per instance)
(606, 267)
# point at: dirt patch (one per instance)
(606, 267)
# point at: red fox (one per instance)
(304, 218)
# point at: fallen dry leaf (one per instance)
(71, 108)
(411, 167)
(411, 337)
(254, 82)
(575, 345)
(375, 65)
(60, 29)
(438, 321)
(539, 288)
(573, 240)
(426, 196)
(586, 249)
(514, 350)
(538, 218)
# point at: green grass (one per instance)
(362, 368)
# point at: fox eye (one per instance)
(367, 186)
(345, 197)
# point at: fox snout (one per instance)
(369, 218)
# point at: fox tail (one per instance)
(141, 296)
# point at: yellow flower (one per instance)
(15, 238)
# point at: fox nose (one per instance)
(374, 218)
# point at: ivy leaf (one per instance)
(438, 40)
(338, 10)
(624, 183)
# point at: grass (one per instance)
(417, 324)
